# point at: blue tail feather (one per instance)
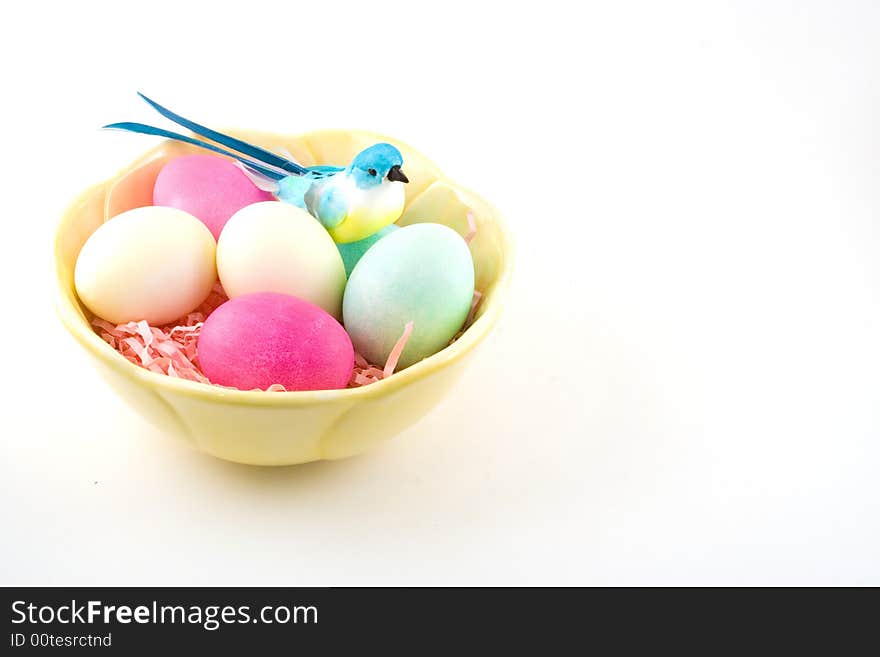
(268, 171)
(243, 147)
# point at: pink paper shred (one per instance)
(364, 373)
(172, 349)
(472, 228)
(169, 349)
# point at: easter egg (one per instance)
(149, 263)
(421, 273)
(277, 247)
(208, 187)
(256, 340)
(351, 252)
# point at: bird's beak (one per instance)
(396, 174)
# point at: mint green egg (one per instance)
(352, 252)
(421, 273)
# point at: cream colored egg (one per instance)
(150, 263)
(278, 247)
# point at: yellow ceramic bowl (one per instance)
(283, 428)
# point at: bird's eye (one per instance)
(372, 172)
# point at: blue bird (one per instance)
(351, 202)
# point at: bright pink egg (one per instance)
(208, 187)
(259, 339)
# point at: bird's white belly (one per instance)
(370, 210)
(378, 201)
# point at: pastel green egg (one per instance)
(421, 273)
(352, 252)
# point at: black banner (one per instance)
(413, 621)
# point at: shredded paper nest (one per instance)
(169, 349)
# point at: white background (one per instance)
(683, 390)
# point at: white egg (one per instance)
(278, 247)
(150, 263)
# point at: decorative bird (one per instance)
(351, 202)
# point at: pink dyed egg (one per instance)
(208, 187)
(259, 339)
